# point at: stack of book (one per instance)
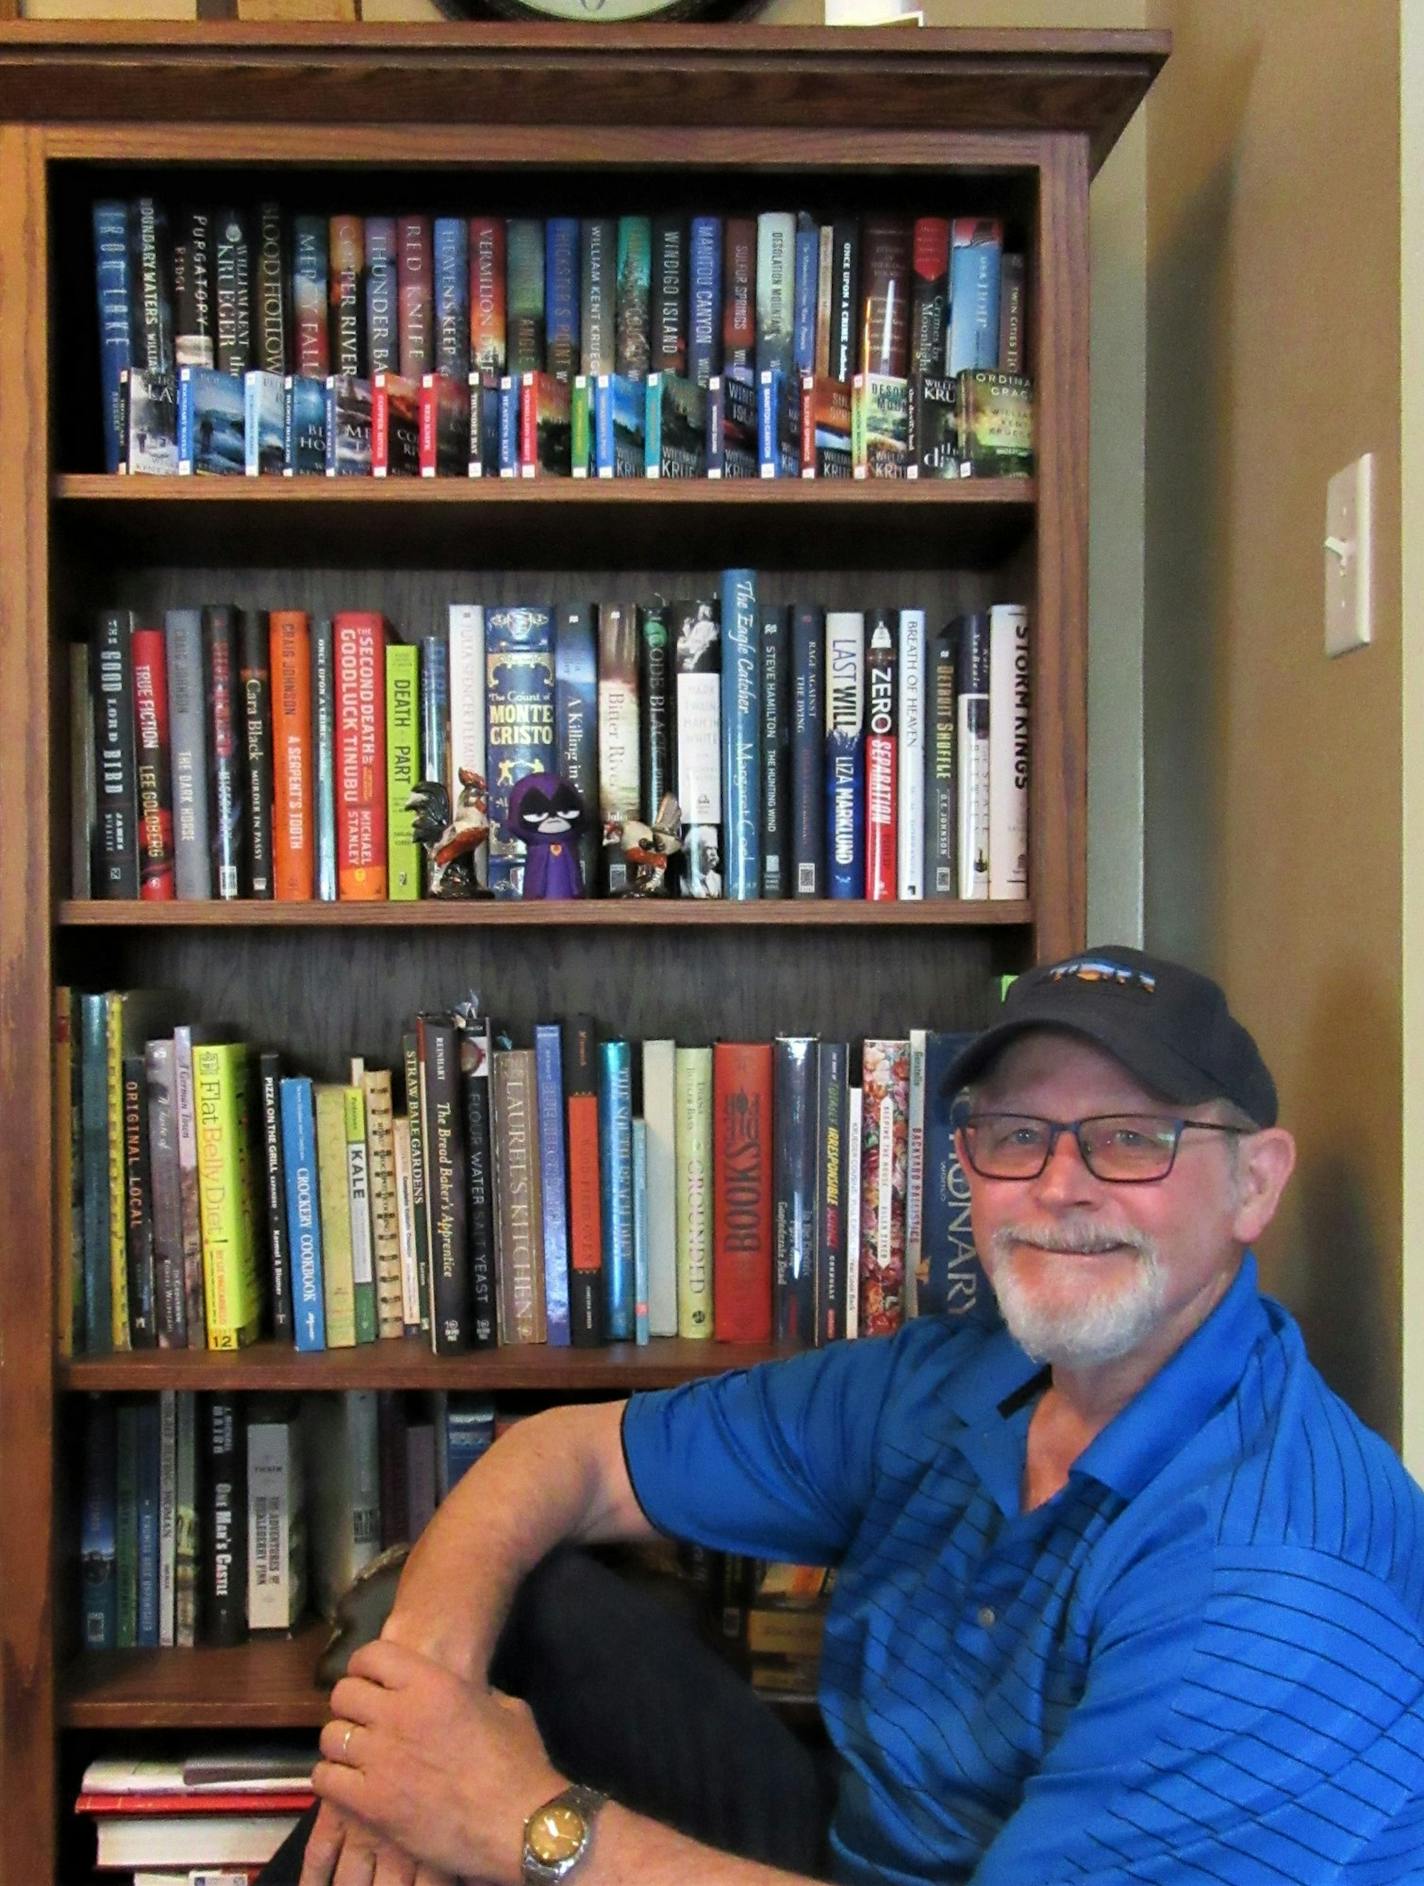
(775, 344)
(225, 1813)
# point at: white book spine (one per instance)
(405, 1226)
(911, 777)
(855, 1118)
(659, 1092)
(845, 672)
(466, 632)
(358, 1192)
(972, 737)
(167, 1514)
(915, 1172)
(1009, 685)
(275, 1584)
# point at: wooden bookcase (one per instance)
(543, 118)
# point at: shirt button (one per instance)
(988, 1618)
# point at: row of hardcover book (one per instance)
(976, 423)
(205, 1517)
(211, 1817)
(236, 290)
(576, 1191)
(770, 751)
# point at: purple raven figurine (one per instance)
(547, 815)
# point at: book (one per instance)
(739, 260)
(395, 426)
(274, 1193)
(881, 758)
(67, 1131)
(416, 1289)
(545, 426)
(226, 1199)
(519, 706)
(226, 750)
(524, 277)
(338, 1277)
(276, 1521)
(941, 765)
(994, 425)
(675, 426)
(632, 338)
(741, 718)
(731, 427)
(576, 721)
(156, 1435)
(615, 1160)
(263, 423)
(598, 272)
(561, 298)
(1013, 317)
(845, 290)
(83, 778)
(293, 851)
(976, 244)
(137, 1203)
(443, 1128)
(358, 666)
(742, 1190)
(885, 1089)
(270, 314)
(669, 286)
(619, 773)
(254, 677)
(310, 331)
(212, 422)
(348, 426)
(950, 1280)
(910, 732)
(585, 1203)
(114, 291)
(880, 426)
(620, 426)
(358, 1199)
(99, 1591)
(581, 456)
(886, 250)
(191, 775)
(434, 760)
(778, 424)
(845, 760)
(451, 257)
(414, 297)
(826, 426)
(659, 1088)
(150, 404)
(693, 1143)
(932, 428)
(915, 1170)
(972, 731)
(126, 1496)
(150, 262)
(153, 765)
(640, 1230)
(833, 1154)
(488, 332)
(794, 1095)
(775, 277)
(806, 289)
(774, 661)
(548, 1062)
(185, 1521)
(697, 664)
(190, 1211)
(518, 1208)
(808, 752)
(344, 1503)
(444, 425)
(929, 295)
(116, 871)
(232, 290)
(474, 1056)
(299, 1161)
(405, 1228)
(223, 1607)
(324, 757)
(303, 426)
(1009, 702)
(403, 853)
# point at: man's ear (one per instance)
(1266, 1162)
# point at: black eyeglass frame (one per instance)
(1056, 1128)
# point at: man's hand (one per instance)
(441, 1769)
(341, 1852)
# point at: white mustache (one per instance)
(1090, 1240)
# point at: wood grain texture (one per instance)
(588, 913)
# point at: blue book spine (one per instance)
(561, 297)
(775, 634)
(452, 296)
(148, 1498)
(97, 1542)
(324, 731)
(974, 269)
(549, 1077)
(704, 350)
(741, 735)
(508, 426)
(434, 707)
(519, 724)
(604, 458)
(951, 1280)
(615, 1167)
(310, 311)
(845, 771)
(303, 426)
(185, 419)
(94, 1112)
(382, 319)
(111, 278)
(808, 753)
(640, 1231)
(808, 278)
(303, 1212)
(768, 400)
(469, 1433)
(653, 426)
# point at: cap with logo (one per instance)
(1167, 1024)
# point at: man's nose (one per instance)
(1065, 1180)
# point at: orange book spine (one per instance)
(359, 661)
(292, 773)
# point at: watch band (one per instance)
(581, 1805)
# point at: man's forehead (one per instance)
(1058, 1054)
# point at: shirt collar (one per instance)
(1184, 1392)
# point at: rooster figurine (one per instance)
(451, 840)
(648, 849)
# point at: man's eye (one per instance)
(1019, 1136)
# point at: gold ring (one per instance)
(346, 1741)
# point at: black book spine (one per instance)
(224, 1611)
(845, 297)
(808, 753)
(655, 708)
(224, 747)
(580, 1070)
(232, 290)
(447, 1177)
(419, 1172)
(193, 291)
(669, 295)
(832, 1152)
(269, 1069)
(479, 1190)
(138, 1207)
(111, 676)
(153, 271)
(775, 770)
(794, 1190)
(941, 879)
(256, 677)
(269, 302)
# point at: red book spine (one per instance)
(293, 851)
(528, 424)
(808, 425)
(380, 427)
(881, 796)
(294, 1800)
(885, 1137)
(414, 296)
(360, 665)
(429, 424)
(741, 1191)
(739, 293)
(585, 1211)
(154, 773)
(488, 324)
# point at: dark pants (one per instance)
(629, 1699)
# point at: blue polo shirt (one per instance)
(1202, 1661)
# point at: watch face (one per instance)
(557, 1833)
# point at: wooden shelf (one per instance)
(587, 913)
(402, 1363)
(554, 522)
(266, 1683)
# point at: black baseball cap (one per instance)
(1167, 1024)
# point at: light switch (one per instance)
(1348, 545)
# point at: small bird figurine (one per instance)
(451, 840)
(648, 849)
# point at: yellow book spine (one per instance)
(385, 1221)
(231, 1288)
(338, 1281)
(118, 1191)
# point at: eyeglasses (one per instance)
(1121, 1148)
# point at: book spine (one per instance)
(808, 750)
(381, 1172)
(160, 1083)
(1009, 682)
(255, 677)
(741, 735)
(225, 1194)
(619, 781)
(219, 630)
(419, 1186)
(881, 757)
(742, 1190)
(844, 755)
(311, 335)
(855, 1144)
(413, 283)
(97, 1546)
(951, 1280)
(845, 297)
(915, 1171)
(585, 1204)
(615, 1128)
(279, 1250)
(452, 296)
(653, 426)
(358, 660)
(449, 1262)
(83, 774)
(912, 745)
(929, 295)
(324, 759)
(153, 765)
(405, 1227)
(479, 1182)
(548, 1058)
(669, 347)
(832, 1106)
(739, 257)
(597, 294)
(824, 279)
(976, 244)
(632, 343)
(576, 722)
(185, 1097)
(776, 292)
(111, 673)
(640, 1232)
(152, 277)
(402, 745)
(67, 1137)
(167, 1515)
(807, 277)
(655, 704)
(705, 299)
(1013, 318)
(697, 666)
(524, 239)
(346, 262)
(269, 299)
(115, 1173)
(382, 337)
(112, 282)
(334, 1204)
(290, 658)
(693, 1155)
(941, 769)
(519, 707)
(149, 1469)
(885, 271)
(518, 1211)
(138, 1208)
(488, 323)
(276, 1533)
(232, 291)
(299, 1160)
(185, 1542)
(562, 295)
(660, 1112)
(885, 1091)
(434, 707)
(126, 1525)
(972, 735)
(191, 776)
(224, 1608)
(794, 1070)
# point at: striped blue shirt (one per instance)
(1202, 1661)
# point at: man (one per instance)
(1125, 1594)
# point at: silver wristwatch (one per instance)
(558, 1835)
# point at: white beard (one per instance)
(1102, 1325)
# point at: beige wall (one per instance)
(1274, 776)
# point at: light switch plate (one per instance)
(1349, 520)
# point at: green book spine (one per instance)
(402, 745)
(225, 1194)
(338, 1279)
